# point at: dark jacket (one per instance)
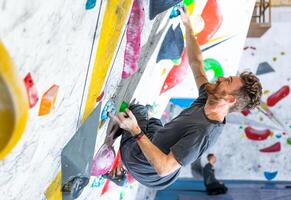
(208, 175)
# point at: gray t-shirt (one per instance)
(188, 136)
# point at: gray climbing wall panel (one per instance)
(77, 155)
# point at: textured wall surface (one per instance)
(56, 41)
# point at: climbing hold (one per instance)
(270, 175)
(258, 135)
(278, 95)
(98, 181)
(246, 112)
(274, 59)
(175, 11)
(13, 104)
(48, 100)
(75, 186)
(173, 44)
(264, 68)
(164, 71)
(114, 163)
(278, 136)
(182, 102)
(272, 149)
(177, 74)
(123, 106)
(133, 39)
(215, 66)
(99, 98)
(176, 61)
(190, 9)
(108, 108)
(289, 140)
(102, 160)
(90, 4)
(188, 2)
(212, 17)
(159, 6)
(31, 90)
(266, 92)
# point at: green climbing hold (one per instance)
(123, 106)
(188, 2)
(215, 66)
(176, 61)
(241, 127)
(121, 195)
(289, 140)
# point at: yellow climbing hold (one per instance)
(13, 104)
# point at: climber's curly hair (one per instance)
(249, 95)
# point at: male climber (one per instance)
(154, 154)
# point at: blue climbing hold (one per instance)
(159, 6)
(270, 175)
(182, 102)
(175, 12)
(90, 4)
(108, 108)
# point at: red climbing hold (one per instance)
(277, 96)
(177, 74)
(99, 98)
(273, 148)
(212, 17)
(254, 134)
(246, 112)
(31, 90)
(114, 166)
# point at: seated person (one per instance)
(213, 186)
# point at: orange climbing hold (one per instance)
(213, 18)
(48, 100)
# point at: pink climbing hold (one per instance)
(102, 161)
(133, 36)
(258, 135)
(272, 149)
(277, 96)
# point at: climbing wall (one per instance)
(221, 28)
(72, 58)
(49, 43)
(256, 145)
